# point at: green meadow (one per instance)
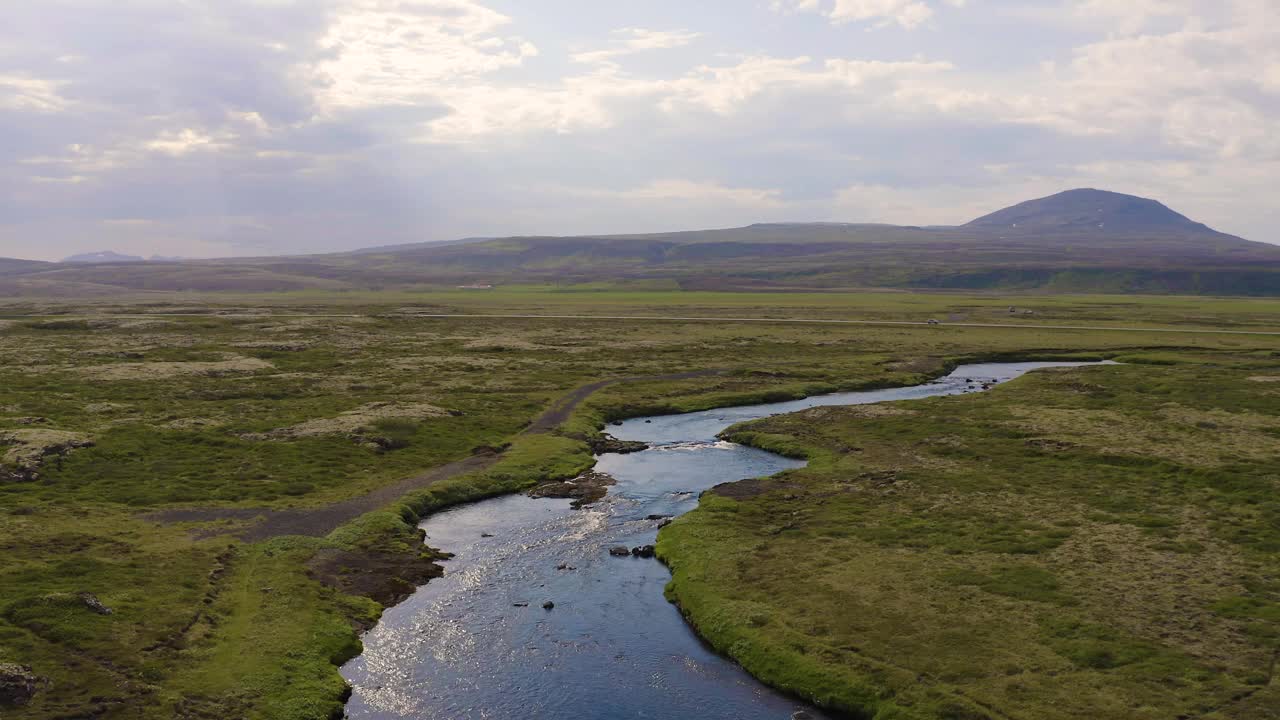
(1017, 517)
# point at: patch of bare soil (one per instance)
(747, 489)
(387, 578)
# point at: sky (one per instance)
(263, 127)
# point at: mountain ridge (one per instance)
(1081, 240)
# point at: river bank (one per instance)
(1063, 548)
(559, 661)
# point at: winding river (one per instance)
(478, 642)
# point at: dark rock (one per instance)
(644, 551)
(584, 489)
(664, 522)
(619, 551)
(548, 605)
(802, 715)
(92, 602)
(609, 444)
(485, 535)
(658, 517)
(565, 567)
(646, 422)
(520, 604)
(18, 684)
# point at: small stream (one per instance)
(478, 643)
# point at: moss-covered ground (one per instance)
(217, 402)
(1100, 542)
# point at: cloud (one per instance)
(402, 51)
(271, 126)
(907, 14)
(697, 192)
(33, 94)
(630, 41)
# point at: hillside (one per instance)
(1089, 211)
(1076, 241)
(103, 256)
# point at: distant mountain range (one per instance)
(109, 256)
(1077, 241)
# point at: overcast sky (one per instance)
(245, 127)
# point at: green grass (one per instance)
(1081, 543)
(166, 439)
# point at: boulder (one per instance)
(18, 684)
(548, 605)
(644, 551)
(619, 551)
(92, 602)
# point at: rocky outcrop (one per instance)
(18, 684)
(29, 449)
(607, 443)
(92, 603)
(584, 489)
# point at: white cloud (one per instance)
(182, 142)
(310, 118)
(389, 52)
(605, 96)
(31, 94)
(698, 192)
(634, 40)
(908, 14)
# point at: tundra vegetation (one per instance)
(1117, 548)
(1094, 542)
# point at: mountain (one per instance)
(12, 266)
(103, 256)
(1092, 211)
(1077, 241)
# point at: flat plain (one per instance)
(145, 438)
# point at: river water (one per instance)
(478, 643)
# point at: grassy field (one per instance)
(1100, 542)
(114, 411)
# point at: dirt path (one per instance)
(318, 522)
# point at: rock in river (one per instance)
(607, 443)
(644, 551)
(619, 551)
(584, 489)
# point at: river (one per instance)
(478, 642)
